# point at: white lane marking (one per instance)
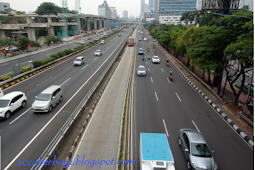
(84, 66)
(148, 69)
(151, 80)
(146, 62)
(156, 96)
(168, 80)
(43, 81)
(65, 81)
(196, 126)
(178, 97)
(165, 128)
(95, 58)
(5, 74)
(162, 69)
(68, 67)
(20, 116)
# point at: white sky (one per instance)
(87, 6)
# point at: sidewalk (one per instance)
(230, 111)
(100, 141)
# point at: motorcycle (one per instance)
(143, 58)
(149, 57)
(171, 78)
(167, 64)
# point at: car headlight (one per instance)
(215, 166)
(1, 112)
(194, 165)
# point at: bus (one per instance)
(131, 41)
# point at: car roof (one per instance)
(98, 50)
(194, 136)
(140, 48)
(11, 95)
(141, 66)
(80, 57)
(155, 56)
(51, 89)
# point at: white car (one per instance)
(155, 59)
(79, 61)
(154, 40)
(98, 53)
(1, 93)
(102, 42)
(79, 41)
(83, 42)
(145, 39)
(11, 102)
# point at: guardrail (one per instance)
(42, 68)
(64, 129)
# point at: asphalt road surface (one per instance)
(26, 134)
(161, 106)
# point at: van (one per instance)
(48, 99)
(79, 61)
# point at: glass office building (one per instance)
(170, 11)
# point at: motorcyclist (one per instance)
(167, 61)
(153, 46)
(155, 53)
(171, 74)
(143, 57)
(148, 49)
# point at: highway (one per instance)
(26, 134)
(7, 68)
(161, 106)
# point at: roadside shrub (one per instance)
(5, 77)
(47, 60)
(37, 63)
(26, 68)
(74, 50)
(61, 53)
(54, 55)
(67, 51)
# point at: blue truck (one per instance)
(155, 152)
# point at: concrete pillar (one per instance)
(100, 24)
(105, 23)
(49, 20)
(95, 25)
(31, 33)
(88, 24)
(79, 26)
(28, 19)
(2, 34)
(51, 31)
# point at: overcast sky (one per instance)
(87, 6)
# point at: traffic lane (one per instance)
(166, 108)
(6, 69)
(199, 111)
(94, 78)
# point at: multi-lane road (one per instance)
(161, 106)
(26, 134)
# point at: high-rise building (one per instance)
(103, 10)
(151, 3)
(113, 12)
(3, 7)
(142, 8)
(125, 14)
(170, 11)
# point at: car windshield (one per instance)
(155, 57)
(140, 49)
(130, 41)
(98, 51)
(141, 68)
(77, 59)
(200, 149)
(43, 97)
(4, 103)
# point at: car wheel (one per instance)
(23, 104)
(179, 141)
(60, 99)
(50, 108)
(188, 165)
(7, 115)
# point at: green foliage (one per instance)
(11, 75)
(74, 50)
(47, 60)
(53, 39)
(61, 53)
(54, 55)
(26, 68)
(23, 42)
(50, 8)
(35, 44)
(41, 32)
(67, 51)
(6, 42)
(37, 63)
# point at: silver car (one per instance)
(79, 61)
(197, 154)
(48, 99)
(141, 70)
(98, 53)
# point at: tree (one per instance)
(23, 42)
(186, 17)
(41, 31)
(48, 8)
(174, 35)
(35, 44)
(6, 42)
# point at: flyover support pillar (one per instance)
(31, 33)
(50, 29)
(2, 34)
(100, 24)
(95, 25)
(88, 24)
(79, 26)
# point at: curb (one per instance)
(226, 118)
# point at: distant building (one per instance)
(4, 6)
(103, 10)
(169, 11)
(142, 8)
(113, 12)
(125, 14)
(151, 3)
